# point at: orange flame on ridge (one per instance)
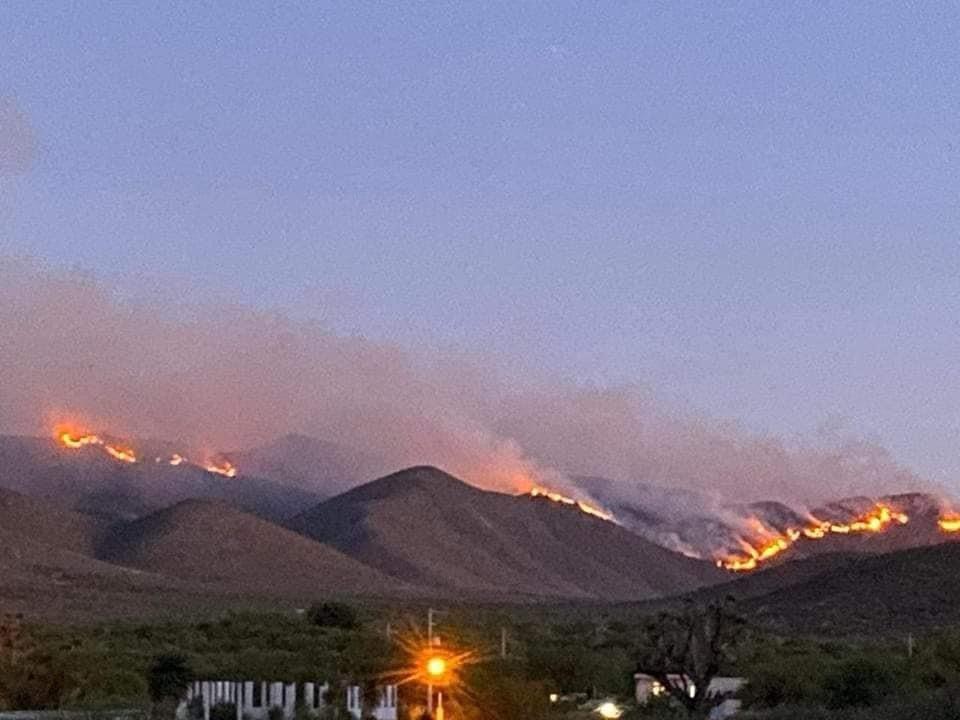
(879, 519)
(538, 491)
(949, 523)
(73, 439)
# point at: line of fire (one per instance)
(757, 547)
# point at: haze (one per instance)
(712, 247)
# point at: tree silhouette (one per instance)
(684, 651)
(167, 681)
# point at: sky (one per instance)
(749, 208)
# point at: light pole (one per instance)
(436, 668)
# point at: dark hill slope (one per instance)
(907, 589)
(88, 481)
(429, 528)
(216, 544)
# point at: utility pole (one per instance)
(430, 646)
(910, 645)
(503, 643)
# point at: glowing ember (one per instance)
(78, 441)
(122, 454)
(589, 509)
(949, 523)
(772, 543)
(126, 454)
(224, 468)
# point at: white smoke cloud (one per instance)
(230, 378)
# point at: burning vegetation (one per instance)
(538, 492)
(122, 452)
(765, 543)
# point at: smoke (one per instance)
(17, 141)
(230, 378)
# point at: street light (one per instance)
(609, 711)
(436, 666)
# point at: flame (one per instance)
(538, 491)
(949, 523)
(771, 543)
(78, 441)
(224, 467)
(74, 439)
(122, 454)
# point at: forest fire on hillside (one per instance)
(75, 440)
(768, 543)
(538, 491)
(949, 523)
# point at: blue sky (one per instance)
(752, 208)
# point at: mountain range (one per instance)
(82, 535)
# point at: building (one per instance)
(254, 700)
(648, 687)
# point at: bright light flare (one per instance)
(436, 666)
(609, 710)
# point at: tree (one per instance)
(333, 614)
(684, 651)
(167, 681)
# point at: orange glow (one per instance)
(78, 441)
(122, 454)
(436, 666)
(768, 543)
(589, 509)
(224, 467)
(949, 523)
(74, 439)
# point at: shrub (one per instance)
(224, 711)
(337, 615)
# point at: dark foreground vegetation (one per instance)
(516, 661)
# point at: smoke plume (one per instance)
(231, 378)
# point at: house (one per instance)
(254, 699)
(648, 687)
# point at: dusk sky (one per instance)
(751, 208)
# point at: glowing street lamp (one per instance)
(436, 666)
(609, 711)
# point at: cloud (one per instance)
(231, 377)
(17, 139)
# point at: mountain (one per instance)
(907, 590)
(89, 481)
(215, 544)
(321, 468)
(428, 528)
(701, 526)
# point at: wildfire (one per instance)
(772, 543)
(589, 509)
(126, 454)
(224, 467)
(71, 440)
(949, 523)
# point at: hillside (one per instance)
(215, 544)
(697, 524)
(429, 528)
(908, 589)
(321, 468)
(90, 482)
